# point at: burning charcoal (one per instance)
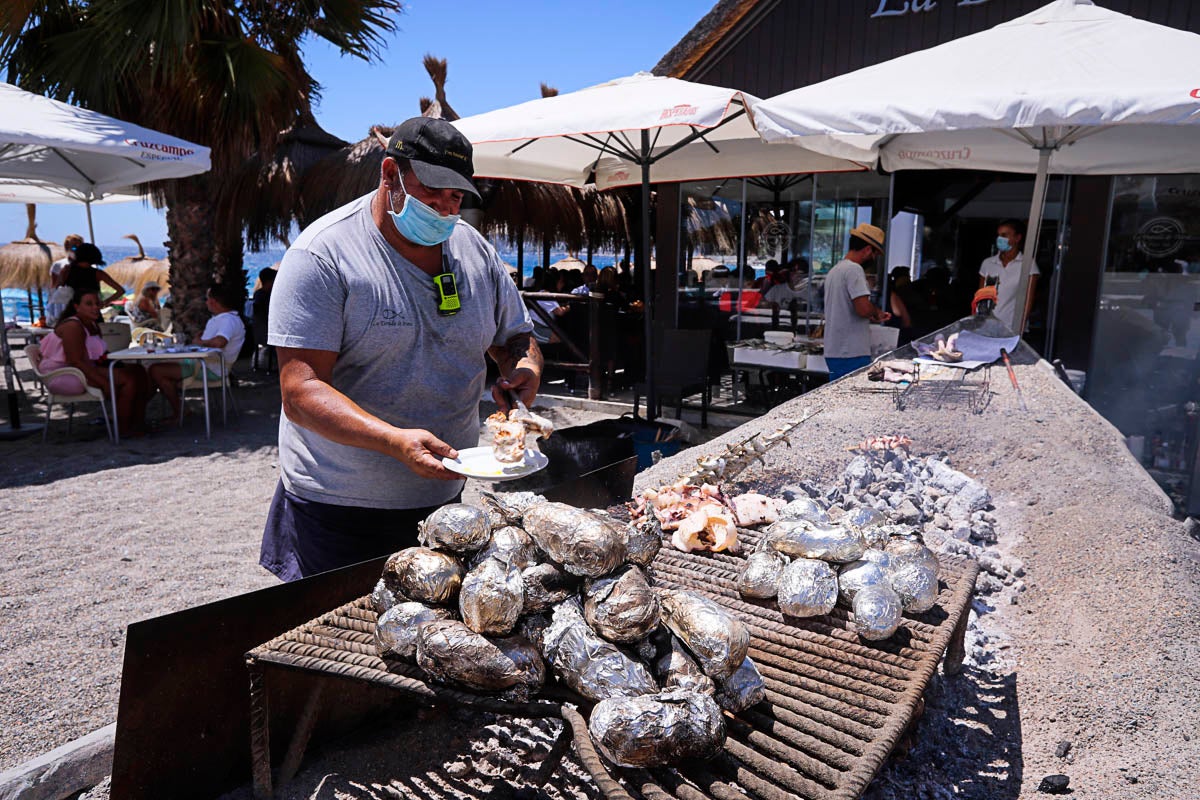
(510, 544)
(760, 577)
(621, 607)
(592, 666)
(916, 584)
(870, 570)
(383, 598)
(584, 543)
(424, 575)
(876, 612)
(744, 689)
(492, 597)
(396, 631)
(546, 586)
(807, 588)
(800, 538)
(457, 527)
(805, 508)
(449, 651)
(657, 730)
(643, 540)
(716, 638)
(511, 506)
(674, 668)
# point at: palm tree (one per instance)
(227, 74)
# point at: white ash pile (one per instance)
(951, 510)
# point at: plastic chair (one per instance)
(197, 380)
(91, 394)
(116, 335)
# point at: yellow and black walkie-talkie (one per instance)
(447, 289)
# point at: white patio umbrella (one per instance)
(53, 149)
(641, 129)
(50, 149)
(1069, 89)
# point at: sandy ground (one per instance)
(95, 536)
(1098, 652)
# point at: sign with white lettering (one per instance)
(901, 8)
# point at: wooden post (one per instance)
(596, 369)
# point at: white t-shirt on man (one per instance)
(1007, 307)
(229, 325)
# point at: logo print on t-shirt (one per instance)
(393, 318)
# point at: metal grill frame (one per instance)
(836, 705)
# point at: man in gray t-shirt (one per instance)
(380, 373)
(849, 311)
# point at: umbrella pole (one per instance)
(644, 262)
(29, 303)
(41, 305)
(91, 232)
(1037, 209)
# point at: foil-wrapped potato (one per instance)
(743, 689)
(760, 576)
(621, 606)
(457, 527)
(673, 666)
(915, 583)
(546, 586)
(582, 542)
(904, 551)
(876, 612)
(451, 652)
(508, 508)
(871, 525)
(805, 508)
(492, 597)
(396, 630)
(870, 570)
(657, 730)
(424, 575)
(643, 540)
(383, 598)
(592, 666)
(807, 588)
(799, 538)
(717, 639)
(510, 544)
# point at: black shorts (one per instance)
(304, 537)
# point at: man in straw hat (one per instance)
(381, 314)
(849, 311)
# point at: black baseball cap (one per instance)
(440, 155)
(88, 253)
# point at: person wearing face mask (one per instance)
(849, 311)
(1004, 269)
(381, 316)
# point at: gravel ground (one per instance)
(1090, 672)
(94, 537)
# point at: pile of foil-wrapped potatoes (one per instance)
(497, 596)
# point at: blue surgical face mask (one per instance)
(1002, 244)
(419, 223)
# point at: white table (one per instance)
(201, 354)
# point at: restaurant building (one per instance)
(1118, 301)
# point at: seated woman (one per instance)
(224, 330)
(76, 342)
(144, 312)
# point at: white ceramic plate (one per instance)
(478, 462)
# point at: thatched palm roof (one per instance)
(129, 270)
(25, 263)
(266, 195)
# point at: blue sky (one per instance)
(498, 53)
